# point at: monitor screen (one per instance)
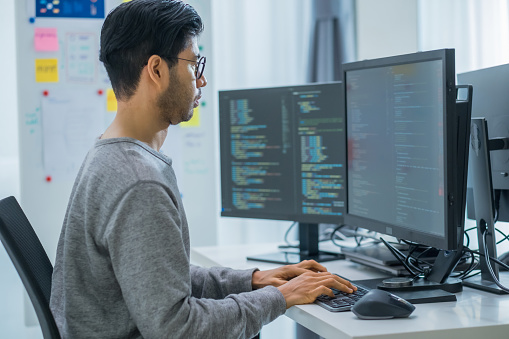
(400, 122)
(491, 101)
(282, 153)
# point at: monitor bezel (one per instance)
(451, 227)
(255, 214)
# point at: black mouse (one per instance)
(380, 304)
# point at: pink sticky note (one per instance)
(45, 39)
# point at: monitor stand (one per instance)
(480, 165)
(308, 249)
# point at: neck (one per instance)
(135, 119)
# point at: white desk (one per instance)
(475, 314)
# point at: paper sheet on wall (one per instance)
(71, 121)
(81, 57)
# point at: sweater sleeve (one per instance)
(218, 282)
(149, 259)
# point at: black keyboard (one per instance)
(342, 301)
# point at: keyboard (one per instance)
(342, 301)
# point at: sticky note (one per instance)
(46, 70)
(111, 101)
(45, 39)
(195, 120)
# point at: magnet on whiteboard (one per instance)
(48, 178)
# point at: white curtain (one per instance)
(477, 29)
(259, 43)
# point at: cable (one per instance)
(333, 234)
(288, 245)
(397, 254)
(488, 263)
(503, 234)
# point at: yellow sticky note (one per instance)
(111, 101)
(195, 120)
(46, 70)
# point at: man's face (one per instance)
(183, 93)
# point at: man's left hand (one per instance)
(281, 275)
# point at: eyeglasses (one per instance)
(199, 66)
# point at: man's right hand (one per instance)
(305, 288)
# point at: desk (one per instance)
(475, 314)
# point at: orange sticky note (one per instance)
(45, 39)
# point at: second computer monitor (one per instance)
(282, 153)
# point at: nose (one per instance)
(202, 82)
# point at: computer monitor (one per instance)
(282, 157)
(490, 102)
(407, 154)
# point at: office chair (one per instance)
(30, 260)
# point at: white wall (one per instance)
(9, 159)
(386, 28)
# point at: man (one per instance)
(122, 268)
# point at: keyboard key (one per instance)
(342, 301)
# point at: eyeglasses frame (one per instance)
(197, 62)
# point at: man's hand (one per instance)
(281, 275)
(305, 288)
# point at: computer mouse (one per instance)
(380, 304)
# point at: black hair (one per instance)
(136, 30)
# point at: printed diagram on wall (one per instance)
(71, 121)
(69, 8)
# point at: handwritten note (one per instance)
(46, 70)
(45, 39)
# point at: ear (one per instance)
(157, 70)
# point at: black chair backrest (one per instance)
(30, 260)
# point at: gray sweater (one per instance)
(122, 268)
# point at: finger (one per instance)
(342, 287)
(312, 266)
(345, 282)
(322, 290)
